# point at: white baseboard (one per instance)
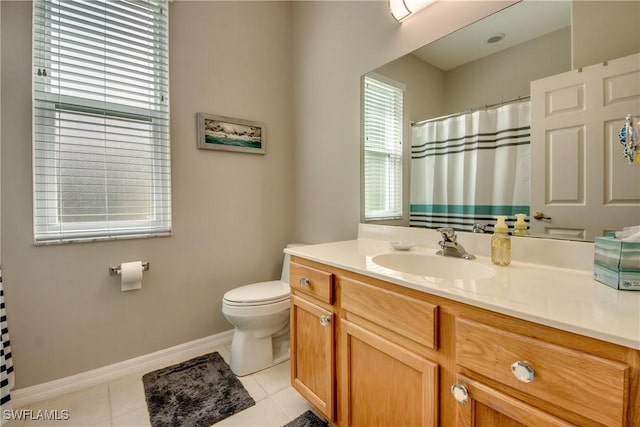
(148, 362)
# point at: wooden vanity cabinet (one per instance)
(385, 377)
(313, 343)
(394, 356)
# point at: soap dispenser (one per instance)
(520, 228)
(501, 243)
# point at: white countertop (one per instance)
(562, 298)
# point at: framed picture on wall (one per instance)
(229, 134)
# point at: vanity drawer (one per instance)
(403, 315)
(591, 386)
(311, 281)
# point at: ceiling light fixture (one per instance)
(496, 38)
(402, 9)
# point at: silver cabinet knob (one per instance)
(324, 320)
(522, 371)
(304, 282)
(460, 393)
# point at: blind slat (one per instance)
(101, 157)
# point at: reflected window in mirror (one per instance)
(383, 142)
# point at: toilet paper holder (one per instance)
(115, 270)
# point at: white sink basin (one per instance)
(434, 266)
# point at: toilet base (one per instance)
(250, 354)
(281, 348)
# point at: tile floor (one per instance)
(122, 403)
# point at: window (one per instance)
(101, 154)
(383, 103)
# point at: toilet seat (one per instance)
(256, 294)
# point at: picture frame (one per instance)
(230, 134)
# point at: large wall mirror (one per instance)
(486, 70)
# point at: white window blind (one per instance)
(101, 159)
(383, 106)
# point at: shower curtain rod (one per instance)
(471, 110)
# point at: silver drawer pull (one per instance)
(324, 320)
(522, 371)
(304, 282)
(460, 393)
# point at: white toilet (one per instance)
(260, 314)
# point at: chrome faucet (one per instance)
(479, 228)
(450, 245)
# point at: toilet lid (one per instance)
(263, 292)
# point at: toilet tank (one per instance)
(285, 264)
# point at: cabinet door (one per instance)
(480, 405)
(384, 384)
(312, 354)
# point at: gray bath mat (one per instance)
(198, 392)
(308, 419)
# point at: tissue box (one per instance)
(617, 263)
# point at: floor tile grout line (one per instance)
(261, 387)
(282, 409)
(131, 410)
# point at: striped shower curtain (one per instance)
(470, 167)
(6, 364)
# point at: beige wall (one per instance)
(502, 76)
(431, 92)
(604, 30)
(334, 43)
(424, 94)
(232, 212)
(505, 75)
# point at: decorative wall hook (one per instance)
(629, 137)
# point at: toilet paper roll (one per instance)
(130, 275)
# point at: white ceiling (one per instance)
(521, 22)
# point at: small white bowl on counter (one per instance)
(402, 245)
